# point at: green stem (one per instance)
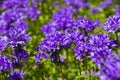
(86, 63)
(80, 67)
(67, 55)
(61, 68)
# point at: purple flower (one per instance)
(101, 47)
(101, 40)
(78, 37)
(117, 10)
(9, 16)
(105, 4)
(81, 49)
(15, 61)
(16, 75)
(5, 63)
(51, 42)
(49, 28)
(85, 23)
(21, 54)
(21, 24)
(62, 59)
(112, 24)
(3, 43)
(99, 55)
(77, 3)
(17, 36)
(63, 12)
(3, 25)
(32, 13)
(65, 40)
(94, 10)
(14, 3)
(14, 25)
(41, 55)
(54, 56)
(56, 3)
(110, 68)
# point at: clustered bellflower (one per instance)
(112, 24)
(62, 31)
(13, 33)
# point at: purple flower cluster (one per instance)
(78, 3)
(63, 31)
(101, 46)
(105, 3)
(21, 54)
(3, 43)
(109, 69)
(99, 49)
(87, 24)
(5, 63)
(13, 25)
(60, 33)
(112, 24)
(13, 33)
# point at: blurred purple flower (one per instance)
(16, 75)
(62, 59)
(77, 3)
(56, 3)
(117, 10)
(94, 10)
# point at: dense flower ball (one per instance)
(112, 24)
(86, 24)
(101, 46)
(17, 36)
(101, 40)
